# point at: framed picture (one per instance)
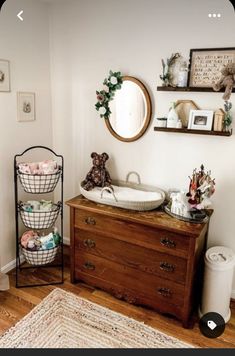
(200, 120)
(206, 64)
(25, 106)
(4, 75)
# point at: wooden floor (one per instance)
(17, 302)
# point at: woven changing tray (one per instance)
(133, 196)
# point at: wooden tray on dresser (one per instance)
(145, 258)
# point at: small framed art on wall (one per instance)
(25, 106)
(4, 75)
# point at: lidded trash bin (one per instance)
(218, 278)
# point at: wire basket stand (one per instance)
(38, 220)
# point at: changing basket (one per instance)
(127, 195)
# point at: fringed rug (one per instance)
(63, 320)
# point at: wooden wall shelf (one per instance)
(191, 89)
(197, 132)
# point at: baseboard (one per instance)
(9, 266)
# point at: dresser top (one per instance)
(154, 218)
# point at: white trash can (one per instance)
(218, 278)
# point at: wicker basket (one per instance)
(41, 257)
(39, 219)
(39, 184)
(97, 195)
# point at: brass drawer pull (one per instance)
(89, 266)
(90, 221)
(89, 243)
(165, 292)
(164, 266)
(167, 242)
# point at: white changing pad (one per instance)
(123, 196)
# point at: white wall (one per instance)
(88, 38)
(26, 45)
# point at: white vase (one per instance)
(172, 118)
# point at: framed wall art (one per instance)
(200, 120)
(4, 75)
(25, 106)
(206, 64)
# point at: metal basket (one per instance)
(41, 257)
(39, 184)
(39, 219)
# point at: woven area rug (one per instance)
(64, 320)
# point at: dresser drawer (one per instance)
(153, 287)
(156, 239)
(134, 256)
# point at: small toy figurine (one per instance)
(201, 187)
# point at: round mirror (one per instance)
(130, 110)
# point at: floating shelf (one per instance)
(195, 89)
(197, 132)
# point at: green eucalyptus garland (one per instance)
(104, 96)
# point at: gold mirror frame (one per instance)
(148, 113)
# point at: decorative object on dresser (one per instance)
(192, 206)
(145, 258)
(127, 195)
(50, 323)
(200, 120)
(206, 64)
(4, 75)
(44, 248)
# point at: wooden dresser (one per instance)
(145, 258)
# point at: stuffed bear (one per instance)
(98, 176)
(227, 80)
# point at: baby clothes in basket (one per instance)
(39, 168)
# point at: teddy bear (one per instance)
(227, 80)
(98, 176)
